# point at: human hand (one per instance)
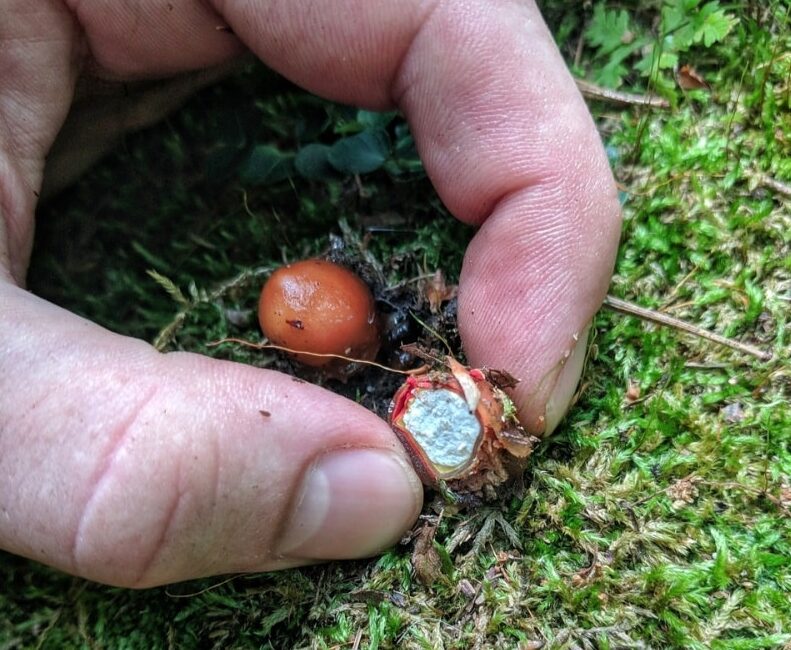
(134, 468)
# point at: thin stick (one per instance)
(357, 639)
(202, 591)
(630, 309)
(592, 91)
(773, 184)
(327, 355)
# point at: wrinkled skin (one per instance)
(135, 468)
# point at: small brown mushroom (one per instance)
(320, 308)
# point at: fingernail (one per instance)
(352, 503)
(566, 384)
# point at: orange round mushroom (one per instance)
(318, 307)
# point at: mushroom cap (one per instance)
(316, 306)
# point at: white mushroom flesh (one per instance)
(440, 421)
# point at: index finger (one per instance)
(509, 145)
(503, 133)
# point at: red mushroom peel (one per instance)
(459, 428)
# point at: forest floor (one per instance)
(657, 516)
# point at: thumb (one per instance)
(134, 468)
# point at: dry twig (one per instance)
(630, 309)
(776, 186)
(592, 91)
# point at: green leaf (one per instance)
(677, 14)
(607, 29)
(309, 124)
(266, 165)
(361, 153)
(372, 120)
(405, 158)
(313, 162)
(668, 61)
(612, 74)
(404, 144)
(716, 25)
(679, 24)
(651, 66)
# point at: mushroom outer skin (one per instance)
(499, 437)
(319, 307)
